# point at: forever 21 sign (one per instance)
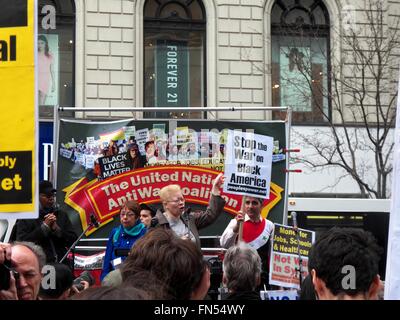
(172, 67)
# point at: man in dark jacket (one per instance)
(53, 230)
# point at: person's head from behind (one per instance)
(113, 293)
(241, 268)
(177, 263)
(27, 259)
(146, 214)
(343, 264)
(172, 199)
(252, 207)
(129, 214)
(60, 280)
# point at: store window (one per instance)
(55, 56)
(174, 57)
(300, 60)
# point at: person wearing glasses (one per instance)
(53, 230)
(183, 223)
(256, 232)
(123, 237)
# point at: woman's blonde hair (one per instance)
(165, 193)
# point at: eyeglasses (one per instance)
(177, 200)
(128, 214)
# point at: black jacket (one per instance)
(54, 244)
(244, 295)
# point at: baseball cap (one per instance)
(46, 187)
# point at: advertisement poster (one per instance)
(285, 260)
(172, 74)
(48, 66)
(122, 172)
(18, 122)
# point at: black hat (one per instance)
(144, 206)
(46, 187)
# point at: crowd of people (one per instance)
(157, 255)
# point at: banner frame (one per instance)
(287, 122)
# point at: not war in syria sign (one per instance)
(248, 164)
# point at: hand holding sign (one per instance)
(239, 219)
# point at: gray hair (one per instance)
(36, 249)
(242, 268)
(260, 200)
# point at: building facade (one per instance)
(223, 53)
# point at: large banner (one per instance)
(102, 165)
(18, 119)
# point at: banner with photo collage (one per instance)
(102, 165)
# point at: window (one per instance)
(55, 56)
(300, 60)
(174, 56)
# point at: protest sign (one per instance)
(18, 121)
(279, 295)
(113, 165)
(248, 164)
(285, 260)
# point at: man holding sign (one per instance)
(248, 165)
(256, 231)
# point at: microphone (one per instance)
(186, 218)
(294, 218)
(93, 221)
(187, 212)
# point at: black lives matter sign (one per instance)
(113, 165)
(16, 14)
(15, 177)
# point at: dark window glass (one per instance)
(174, 57)
(300, 60)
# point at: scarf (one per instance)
(133, 231)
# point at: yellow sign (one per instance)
(18, 120)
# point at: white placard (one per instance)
(248, 163)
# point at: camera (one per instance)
(84, 276)
(5, 275)
(4, 278)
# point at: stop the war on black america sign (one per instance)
(248, 164)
